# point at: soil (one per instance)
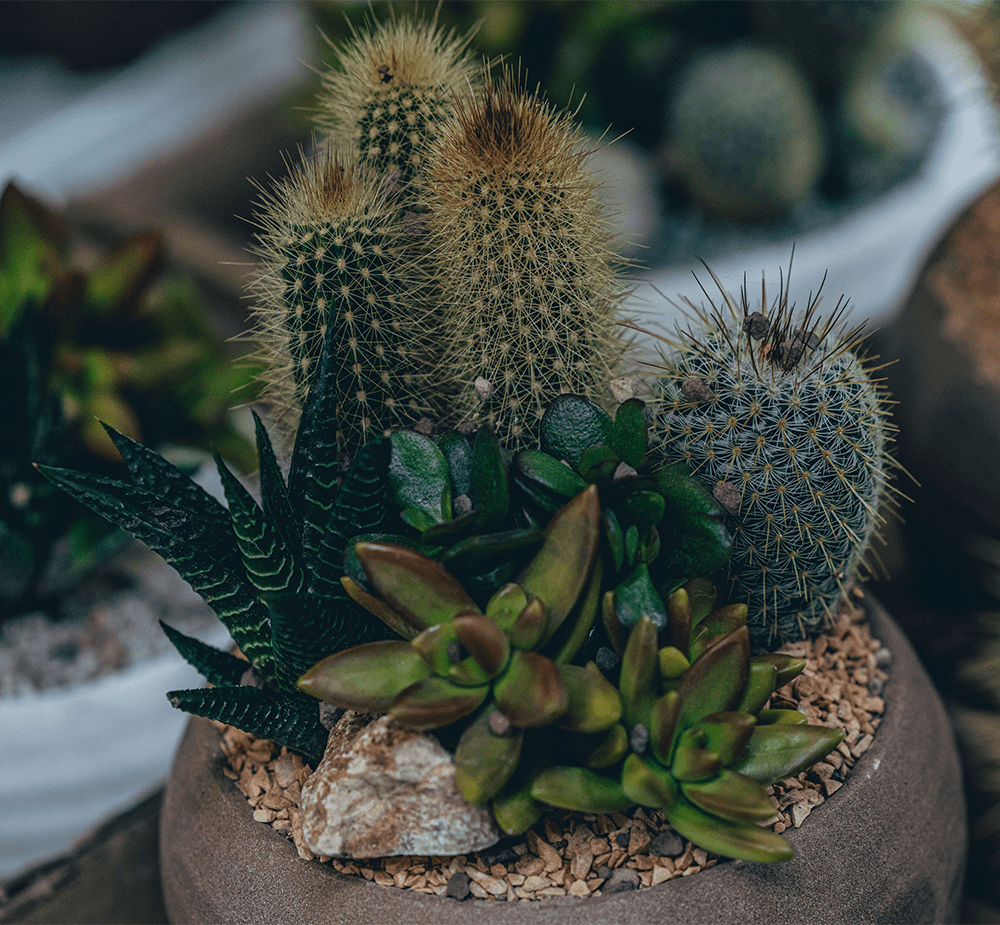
(581, 854)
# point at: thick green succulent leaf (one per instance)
(506, 605)
(715, 679)
(360, 509)
(547, 481)
(782, 750)
(673, 663)
(593, 702)
(531, 692)
(446, 657)
(458, 452)
(663, 717)
(680, 618)
(628, 435)
(614, 537)
(595, 750)
(743, 840)
(616, 633)
(417, 588)
(201, 551)
(648, 784)
(367, 677)
(480, 552)
(283, 721)
(782, 717)
(571, 424)
(527, 629)
(787, 667)
(760, 686)
(378, 608)
(488, 489)
(273, 492)
(435, 702)
(419, 475)
(217, 667)
(639, 680)
(451, 531)
(598, 464)
(580, 790)
(642, 509)
(486, 756)
(151, 471)
(636, 597)
(269, 563)
(485, 642)
(565, 645)
(731, 796)
(694, 764)
(514, 808)
(718, 623)
(727, 733)
(561, 568)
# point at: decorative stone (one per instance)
(383, 790)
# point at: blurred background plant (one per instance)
(107, 337)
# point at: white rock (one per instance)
(383, 790)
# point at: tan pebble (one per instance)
(638, 839)
(399, 880)
(558, 877)
(529, 865)
(509, 895)
(646, 877)
(799, 812)
(515, 879)
(284, 770)
(523, 894)
(700, 856)
(579, 888)
(476, 890)
(598, 846)
(264, 815)
(457, 864)
(602, 859)
(424, 889)
(831, 786)
(779, 827)
(580, 865)
(844, 749)
(621, 820)
(874, 704)
(396, 864)
(498, 870)
(552, 833)
(642, 862)
(520, 848)
(414, 880)
(618, 858)
(660, 875)
(552, 891)
(533, 884)
(551, 857)
(487, 882)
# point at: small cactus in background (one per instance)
(332, 255)
(519, 251)
(396, 84)
(745, 137)
(785, 425)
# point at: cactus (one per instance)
(396, 85)
(333, 256)
(520, 254)
(745, 136)
(782, 421)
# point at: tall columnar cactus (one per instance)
(332, 255)
(395, 86)
(520, 252)
(785, 424)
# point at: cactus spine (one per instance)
(521, 256)
(331, 255)
(786, 426)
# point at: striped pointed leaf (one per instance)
(203, 553)
(294, 724)
(273, 492)
(217, 667)
(269, 563)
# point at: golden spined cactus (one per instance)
(520, 252)
(331, 254)
(395, 85)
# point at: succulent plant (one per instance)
(519, 252)
(702, 746)
(76, 345)
(777, 415)
(745, 137)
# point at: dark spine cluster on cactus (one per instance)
(782, 421)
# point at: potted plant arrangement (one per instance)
(81, 338)
(494, 610)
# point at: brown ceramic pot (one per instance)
(889, 846)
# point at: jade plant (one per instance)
(78, 344)
(781, 418)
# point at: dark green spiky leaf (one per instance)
(487, 756)
(483, 550)
(580, 790)
(639, 673)
(561, 568)
(488, 484)
(760, 686)
(628, 436)
(550, 480)
(727, 733)
(204, 554)
(571, 424)
(151, 471)
(743, 840)
(360, 509)
(780, 751)
(647, 784)
(285, 722)
(217, 667)
(273, 491)
(419, 475)
(458, 452)
(715, 679)
(531, 692)
(636, 597)
(593, 703)
(417, 588)
(435, 702)
(269, 563)
(598, 464)
(366, 678)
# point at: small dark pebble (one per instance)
(500, 853)
(621, 881)
(667, 844)
(639, 739)
(559, 845)
(622, 838)
(458, 886)
(607, 659)
(604, 871)
(883, 658)
(876, 686)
